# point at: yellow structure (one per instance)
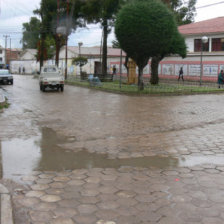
(132, 78)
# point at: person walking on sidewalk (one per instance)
(181, 74)
(221, 78)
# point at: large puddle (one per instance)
(43, 153)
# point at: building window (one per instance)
(0, 51)
(218, 44)
(0, 59)
(197, 45)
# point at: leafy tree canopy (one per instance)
(31, 32)
(79, 61)
(184, 10)
(144, 29)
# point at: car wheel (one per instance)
(62, 88)
(43, 88)
(12, 82)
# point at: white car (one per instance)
(51, 77)
(6, 77)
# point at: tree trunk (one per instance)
(42, 46)
(104, 60)
(126, 65)
(140, 79)
(154, 70)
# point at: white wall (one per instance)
(189, 40)
(2, 56)
(31, 67)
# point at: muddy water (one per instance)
(21, 157)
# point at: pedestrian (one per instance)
(221, 78)
(181, 74)
(114, 72)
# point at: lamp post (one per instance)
(204, 40)
(80, 67)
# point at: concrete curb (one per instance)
(6, 206)
(2, 99)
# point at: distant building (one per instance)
(213, 51)
(2, 57)
(94, 56)
(25, 63)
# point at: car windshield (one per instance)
(49, 69)
(4, 72)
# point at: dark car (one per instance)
(6, 77)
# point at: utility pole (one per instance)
(66, 40)
(10, 55)
(6, 37)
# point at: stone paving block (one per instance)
(108, 205)
(44, 206)
(65, 212)
(85, 219)
(40, 187)
(29, 202)
(35, 194)
(86, 208)
(50, 198)
(38, 216)
(62, 221)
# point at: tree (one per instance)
(55, 14)
(31, 32)
(184, 13)
(145, 29)
(177, 46)
(103, 12)
(80, 61)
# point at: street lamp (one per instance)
(204, 40)
(80, 67)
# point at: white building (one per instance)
(27, 63)
(213, 51)
(2, 57)
(94, 56)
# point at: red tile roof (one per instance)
(215, 25)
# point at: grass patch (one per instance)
(4, 105)
(160, 89)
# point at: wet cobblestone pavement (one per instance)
(121, 136)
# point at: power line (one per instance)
(205, 6)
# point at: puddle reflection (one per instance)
(20, 157)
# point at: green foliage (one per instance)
(31, 33)
(98, 10)
(184, 10)
(145, 29)
(115, 44)
(79, 61)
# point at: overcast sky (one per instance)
(13, 13)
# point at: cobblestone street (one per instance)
(90, 157)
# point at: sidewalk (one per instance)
(5, 206)
(2, 98)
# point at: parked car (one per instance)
(51, 77)
(6, 77)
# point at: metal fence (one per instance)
(119, 84)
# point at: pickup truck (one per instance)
(51, 77)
